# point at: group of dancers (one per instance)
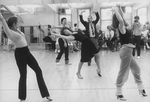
(89, 50)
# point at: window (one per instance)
(106, 18)
(142, 13)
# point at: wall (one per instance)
(148, 13)
(45, 18)
(74, 16)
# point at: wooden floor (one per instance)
(63, 84)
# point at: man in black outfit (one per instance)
(90, 27)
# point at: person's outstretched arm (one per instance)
(5, 26)
(63, 37)
(81, 19)
(121, 21)
(11, 12)
(97, 17)
(122, 14)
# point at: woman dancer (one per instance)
(125, 53)
(88, 50)
(63, 44)
(23, 57)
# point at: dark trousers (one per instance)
(136, 42)
(23, 58)
(62, 50)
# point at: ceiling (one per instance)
(32, 6)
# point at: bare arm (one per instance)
(122, 14)
(7, 9)
(63, 37)
(121, 21)
(5, 26)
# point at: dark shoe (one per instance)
(48, 98)
(89, 63)
(143, 93)
(67, 62)
(121, 97)
(99, 73)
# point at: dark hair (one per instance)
(75, 24)
(11, 21)
(49, 26)
(62, 19)
(115, 22)
(137, 17)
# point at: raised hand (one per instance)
(114, 9)
(82, 11)
(1, 5)
(118, 5)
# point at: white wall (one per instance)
(44, 18)
(148, 11)
(74, 16)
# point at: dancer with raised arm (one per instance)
(88, 49)
(125, 53)
(23, 56)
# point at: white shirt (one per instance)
(145, 33)
(109, 33)
(90, 30)
(137, 29)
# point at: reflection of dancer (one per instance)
(23, 56)
(127, 60)
(88, 50)
(41, 34)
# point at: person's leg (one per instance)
(138, 46)
(89, 62)
(79, 70)
(97, 61)
(31, 61)
(67, 55)
(137, 76)
(22, 66)
(62, 48)
(125, 56)
(133, 53)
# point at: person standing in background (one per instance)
(137, 31)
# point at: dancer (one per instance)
(23, 56)
(63, 44)
(90, 27)
(125, 53)
(88, 50)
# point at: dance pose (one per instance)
(90, 27)
(125, 53)
(23, 56)
(88, 50)
(63, 44)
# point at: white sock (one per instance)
(119, 91)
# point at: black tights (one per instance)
(63, 50)
(23, 58)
